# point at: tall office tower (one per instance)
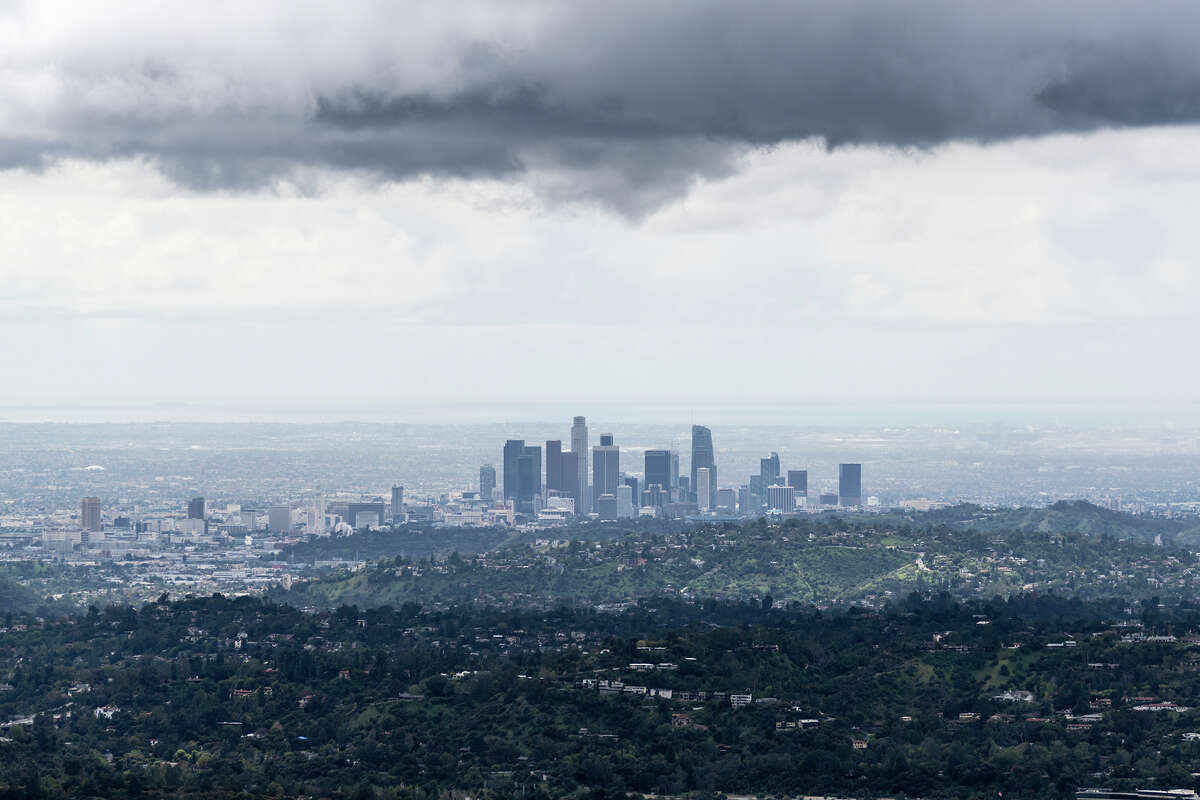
(570, 479)
(89, 513)
(579, 444)
(196, 508)
(781, 498)
(397, 504)
(279, 519)
(554, 476)
(674, 473)
(849, 484)
(606, 468)
(768, 470)
(606, 507)
(635, 490)
(726, 500)
(625, 501)
(658, 469)
(316, 512)
(704, 491)
(703, 458)
(798, 480)
(487, 482)
(529, 479)
(512, 451)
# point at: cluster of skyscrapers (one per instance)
(549, 482)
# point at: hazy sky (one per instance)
(612, 202)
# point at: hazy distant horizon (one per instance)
(801, 415)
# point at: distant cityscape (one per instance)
(208, 506)
(550, 485)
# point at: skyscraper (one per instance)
(89, 513)
(768, 470)
(703, 458)
(397, 504)
(606, 469)
(635, 490)
(798, 480)
(196, 508)
(487, 482)
(529, 479)
(570, 479)
(850, 484)
(624, 501)
(579, 444)
(279, 519)
(554, 476)
(606, 507)
(704, 492)
(512, 451)
(658, 469)
(781, 498)
(316, 512)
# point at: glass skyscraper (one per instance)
(703, 458)
(850, 484)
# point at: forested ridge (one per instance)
(824, 560)
(216, 697)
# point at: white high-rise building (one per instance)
(316, 514)
(579, 445)
(704, 491)
(624, 502)
(781, 498)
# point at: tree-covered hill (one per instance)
(1067, 516)
(221, 698)
(823, 561)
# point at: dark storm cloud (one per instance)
(633, 101)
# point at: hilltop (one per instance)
(823, 561)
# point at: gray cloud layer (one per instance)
(625, 102)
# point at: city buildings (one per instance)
(658, 471)
(768, 471)
(554, 465)
(279, 519)
(364, 515)
(397, 504)
(660, 487)
(798, 480)
(850, 485)
(195, 508)
(89, 513)
(781, 499)
(625, 506)
(487, 481)
(512, 451)
(704, 489)
(528, 480)
(606, 469)
(703, 458)
(579, 446)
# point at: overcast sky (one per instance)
(615, 202)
